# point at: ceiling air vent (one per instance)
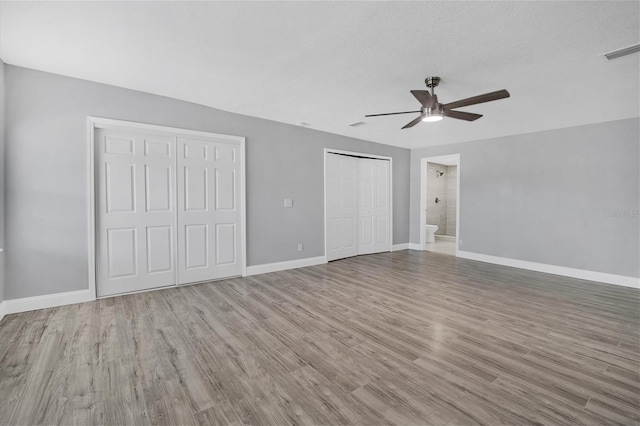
(356, 124)
(622, 52)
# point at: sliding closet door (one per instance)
(373, 206)
(169, 207)
(135, 212)
(358, 206)
(342, 206)
(209, 214)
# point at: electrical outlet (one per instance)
(300, 247)
(288, 203)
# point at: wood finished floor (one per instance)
(396, 338)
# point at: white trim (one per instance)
(283, 266)
(104, 123)
(324, 201)
(390, 203)
(91, 220)
(174, 234)
(356, 154)
(582, 274)
(451, 158)
(324, 182)
(243, 209)
(13, 306)
(414, 246)
(398, 247)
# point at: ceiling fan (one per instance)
(431, 110)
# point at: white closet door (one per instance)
(209, 245)
(135, 212)
(342, 206)
(373, 206)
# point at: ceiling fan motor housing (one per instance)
(432, 82)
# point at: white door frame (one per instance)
(99, 122)
(361, 155)
(451, 158)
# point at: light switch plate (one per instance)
(288, 203)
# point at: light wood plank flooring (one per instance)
(396, 338)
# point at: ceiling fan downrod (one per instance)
(432, 82)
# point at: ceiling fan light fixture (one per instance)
(431, 116)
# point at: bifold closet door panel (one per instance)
(373, 206)
(135, 211)
(209, 214)
(342, 206)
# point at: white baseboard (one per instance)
(282, 266)
(553, 269)
(415, 246)
(13, 306)
(398, 247)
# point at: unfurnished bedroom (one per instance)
(336, 213)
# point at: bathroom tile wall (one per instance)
(452, 194)
(437, 188)
(444, 187)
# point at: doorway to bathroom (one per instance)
(440, 204)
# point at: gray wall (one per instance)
(2, 167)
(548, 197)
(46, 181)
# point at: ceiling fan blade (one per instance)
(424, 97)
(392, 113)
(413, 123)
(487, 97)
(460, 115)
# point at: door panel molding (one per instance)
(217, 190)
(341, 212)
(126, 209)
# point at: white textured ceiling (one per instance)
(329, 64)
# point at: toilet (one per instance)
(430, 232)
